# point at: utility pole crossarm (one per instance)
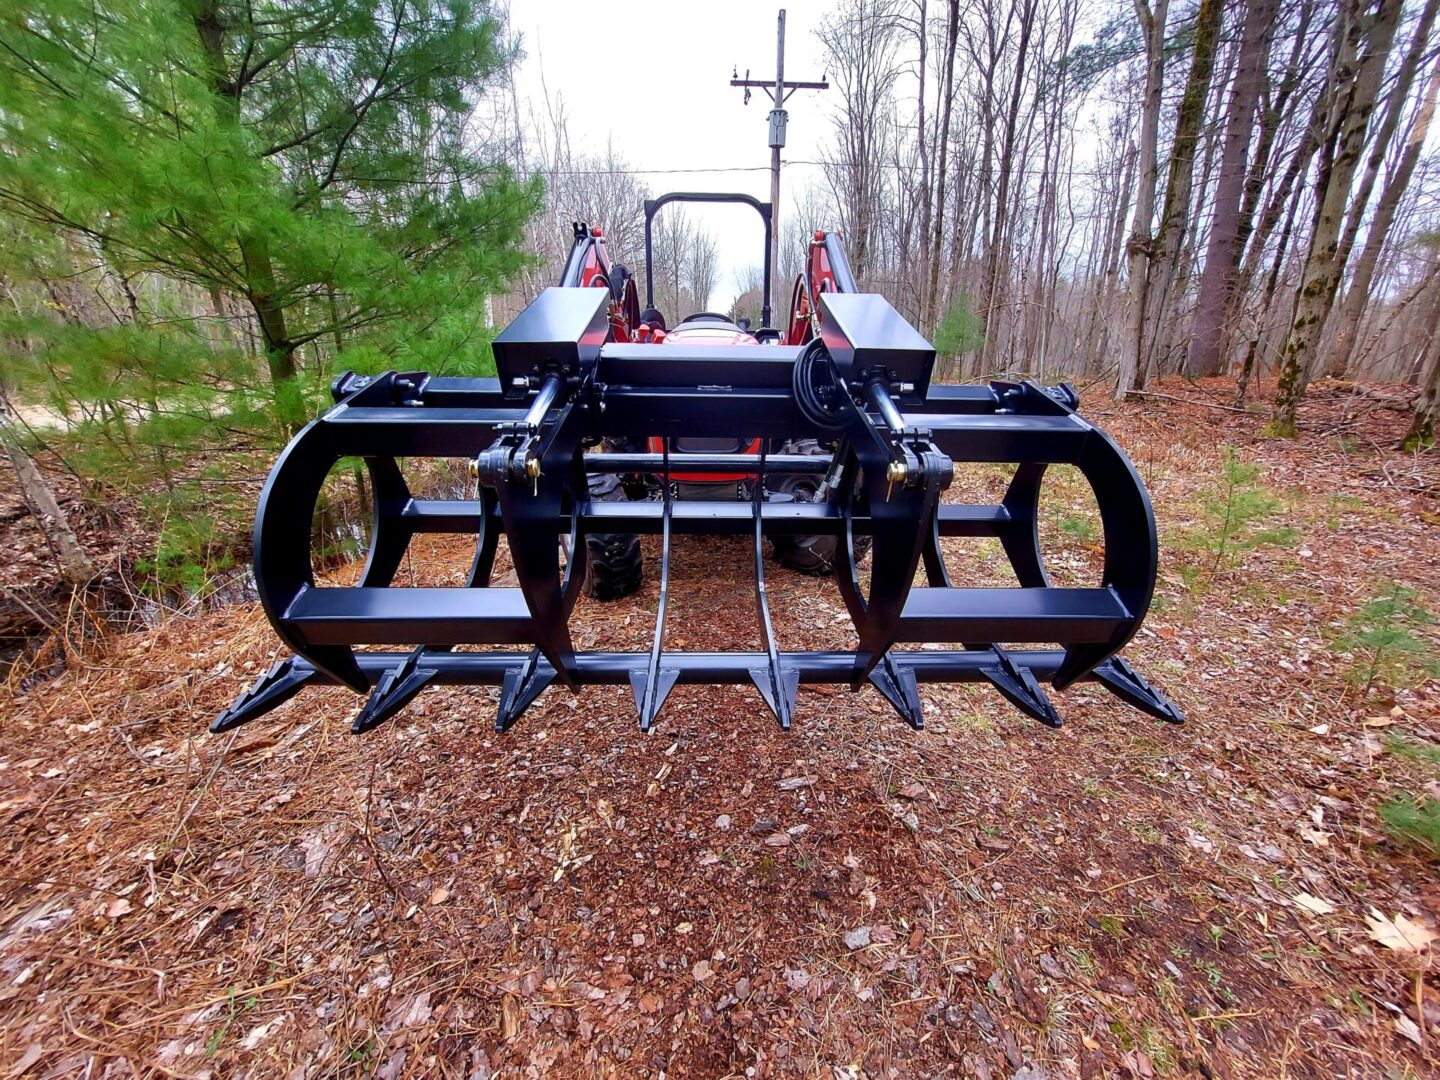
(768, 84)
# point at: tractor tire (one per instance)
(615, 566)
(815, 555)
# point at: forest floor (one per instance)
(984, 898)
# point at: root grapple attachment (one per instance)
(589, 387)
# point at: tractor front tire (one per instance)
(615, 566)
(815, 555)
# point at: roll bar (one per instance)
(761, 208)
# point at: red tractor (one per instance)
(615, 565)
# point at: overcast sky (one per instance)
(653, 78)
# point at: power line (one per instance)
(657, 172)
(1025, 170)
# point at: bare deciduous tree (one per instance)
(1234, 169)
(1356, 84)
(1223, 254)
(1396, 183)
(1152, 25)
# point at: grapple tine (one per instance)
(901, 476)
(283, 570)
(778, 689)
(897, 683)
(653, 686)
(776, 685)
(391, 533)
(487, 541)
(531, 474)
(1021, 688)
(1021, 536)
(522, 685)
(648, 702)
(1122, 680)
(936, 576)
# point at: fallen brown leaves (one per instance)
(986, 897)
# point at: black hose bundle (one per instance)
(821, 396)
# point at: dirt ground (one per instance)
(985, 898)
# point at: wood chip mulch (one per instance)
(986, 898)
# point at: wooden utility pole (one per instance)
(779, 92)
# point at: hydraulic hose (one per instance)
(826, 405)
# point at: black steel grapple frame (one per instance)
(562, 388)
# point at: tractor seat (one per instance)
(710, 319)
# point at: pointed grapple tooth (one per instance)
(1021, 688)
(522, 685)
(396, 689)
(664, 683)
(897, 683)
(787, 681)
(277, 686)
(1122, 680)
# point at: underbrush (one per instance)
(1238, 515)
(1414, 821)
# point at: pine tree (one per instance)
(202, 202)
(309, 158)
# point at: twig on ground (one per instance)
(1188, 401)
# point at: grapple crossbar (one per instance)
(565, 396)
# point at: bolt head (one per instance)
(895, 472)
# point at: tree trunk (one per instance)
(1254, 234)
(1420, 293)
(1180, 179)
(210, 27)
(1221, 255)
(999, 239)
(1422, 426)
(1152, 22)
(1389, 123)
(1273, 114)
(75, 566)
(1257, 235)
(1247, 369)
(1353, 306)
(1097, 339)
(1358, 83)
(923, 38)
(942, 183)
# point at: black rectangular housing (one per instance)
(864, 333)
(563, 328)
